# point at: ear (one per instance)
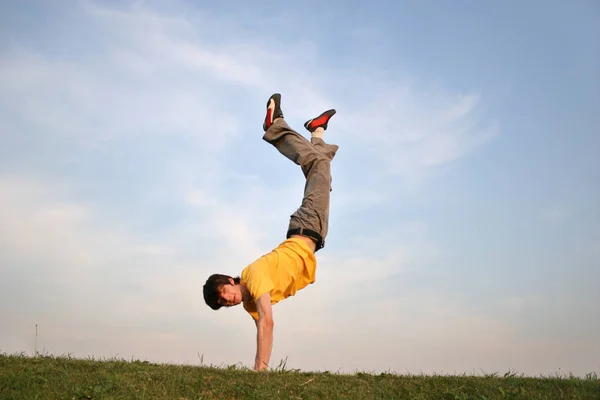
(231, 282)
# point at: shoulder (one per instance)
(256, 277)
(249, 305)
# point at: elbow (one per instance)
(267, 323)
(270, 323)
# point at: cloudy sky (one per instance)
(465, 212)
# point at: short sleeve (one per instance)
(250, 307)
(256, 278)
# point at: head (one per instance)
(222, 290)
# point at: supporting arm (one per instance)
(264, 332)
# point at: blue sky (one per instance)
(465, 216)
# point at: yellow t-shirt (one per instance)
(283, 271)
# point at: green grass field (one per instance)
(46, 377)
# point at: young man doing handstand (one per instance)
(292, 265)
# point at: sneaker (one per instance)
(319, 122)
(273, 111)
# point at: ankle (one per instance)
(318, 133)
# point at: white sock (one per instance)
(318, 133)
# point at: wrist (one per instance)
(259, 365)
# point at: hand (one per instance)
(260, 366)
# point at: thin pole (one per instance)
(36, 337)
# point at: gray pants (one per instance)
(314, 158)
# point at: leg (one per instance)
(296, 147)
(314, 158)
(313, 213)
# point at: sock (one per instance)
(318, 133)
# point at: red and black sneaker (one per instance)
(319, 122)
(273, 110)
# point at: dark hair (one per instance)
(212, 289)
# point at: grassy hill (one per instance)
(46, 377)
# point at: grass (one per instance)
(49, 377)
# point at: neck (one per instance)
(245, 293)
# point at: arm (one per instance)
(264, 332)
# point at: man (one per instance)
(292, 265)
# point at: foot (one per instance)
(273, 110)
(319, 122)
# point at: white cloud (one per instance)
(94, 287)
(376, 257)
(160, 78)
(45, 235)
(104, 287)
(90, 103)
(166, 41)
(410, 130)
(589, 247)
(555, 214)
(417, 331)
(407, 126)
(155, 289)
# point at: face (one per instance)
(231, 295)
